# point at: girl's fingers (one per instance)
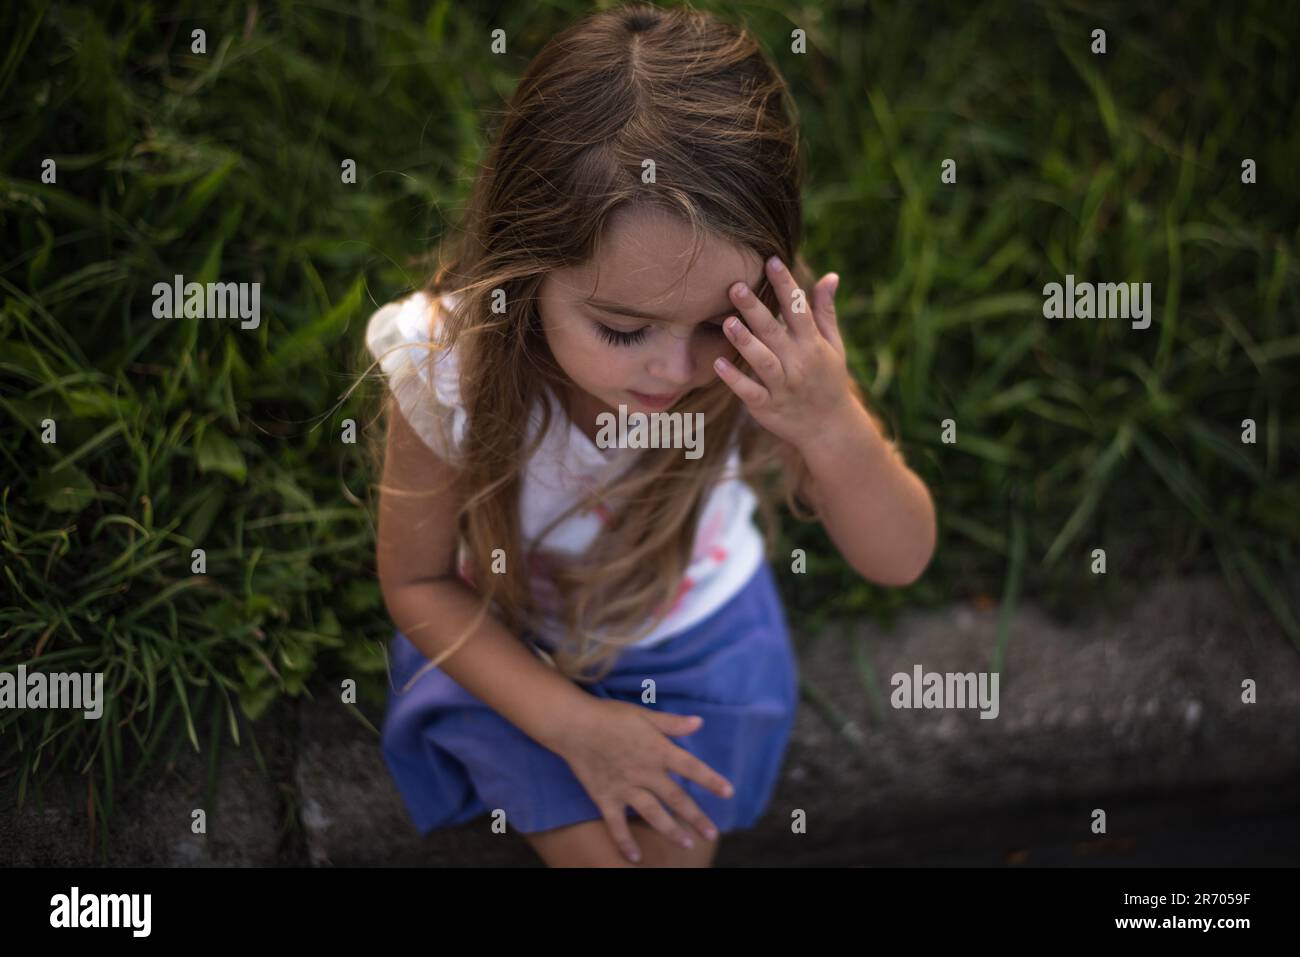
(653, 812)
(689, 766)
(674, 725)
(794, 302)
(616, 820)
(686, 809)
(750, 392)
(827, 320)
(757, 316)
(757, 353)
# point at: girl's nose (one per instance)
(674, 365)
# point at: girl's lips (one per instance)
(661, 400)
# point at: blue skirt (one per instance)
(454, 758)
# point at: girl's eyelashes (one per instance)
(616, 338)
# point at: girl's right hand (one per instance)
(621, 754)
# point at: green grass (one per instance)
(174, 435)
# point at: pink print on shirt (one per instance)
(707, 543)
(685, 585)
(707, 546)
(539, 563)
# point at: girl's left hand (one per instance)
(805, 376)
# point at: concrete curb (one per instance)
(1138, 714)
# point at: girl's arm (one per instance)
(427, 601)
(875, 509)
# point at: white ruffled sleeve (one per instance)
(423, 376)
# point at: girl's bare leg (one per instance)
(588, 844)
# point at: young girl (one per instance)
(590, 647)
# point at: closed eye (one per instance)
(617, 338)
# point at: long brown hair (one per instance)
(700, 98)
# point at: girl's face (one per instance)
(634, 324)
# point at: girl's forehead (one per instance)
(646, 263)
(636, 239)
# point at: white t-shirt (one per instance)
(728, 545)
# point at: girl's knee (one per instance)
(585, 844)
(658, 850)
(589, 844)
